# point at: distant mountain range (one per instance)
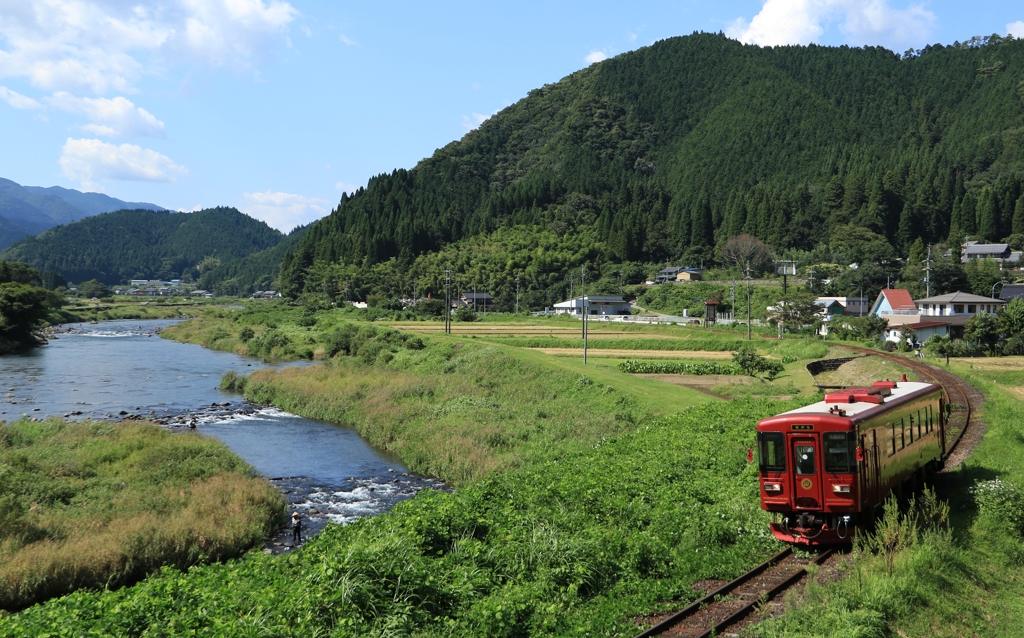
(26, 211)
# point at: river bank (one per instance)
(122, 371)
(95, 504)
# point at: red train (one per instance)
(826, 468)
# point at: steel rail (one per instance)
(713, 597)
(950, 383)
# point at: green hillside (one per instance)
(258, 271)
(143, 244)
(664, 152)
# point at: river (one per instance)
(123, 369)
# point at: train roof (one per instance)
(864, 398)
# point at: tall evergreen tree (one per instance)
(1018, 216)
(702, 228)
(907, 230)
(988, 215)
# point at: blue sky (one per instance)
(277, 107)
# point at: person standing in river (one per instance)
(296, 528)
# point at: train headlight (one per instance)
(841, 489)
(772, 487)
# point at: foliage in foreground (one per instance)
(97, 504)
(575, 545)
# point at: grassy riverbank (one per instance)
(576, 545)
(96, 504)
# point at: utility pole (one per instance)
(583, 301)
(746, 275)
(447, 301)
(517, 294)
(928, 273)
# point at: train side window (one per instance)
(910, 429)
(903, 437)
(771, 452)
(919, 429)
(840, 453)
(892, 439)
(931, 416)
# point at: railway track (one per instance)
(729, 604)
(958, 393)
(735, 600)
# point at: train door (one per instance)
(869, 469)
(806, 477)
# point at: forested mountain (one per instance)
(666, 151)
(29, 210)
(142, 244)
(258, 271)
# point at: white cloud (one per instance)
(346, 187)
(1015, 29)
(871, 22)
(116, 117)
(104, 45)
(17, 100)
(284, 211)
(87, 161)
(232, 32)
(595, 56)
(471, 122)
(347, 40)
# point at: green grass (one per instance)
(97, 504)
(575, 545)
(464, 410)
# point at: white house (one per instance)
(896, 306)
(945, 315)
(595, 304)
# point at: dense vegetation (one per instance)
(25, 307)
(832, 155)
(143, 244)
(563, 546)
(93, 504)
(248, 274)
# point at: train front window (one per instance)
(771, 452)
(840, 454)
(804, 459)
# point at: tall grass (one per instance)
(95, 504)
(573, 546)
(458, 411)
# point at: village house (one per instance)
(1001, 252)
(596, 304)
(478, 301)
(945, 315)
(896, 306)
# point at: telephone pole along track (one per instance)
(733, 601)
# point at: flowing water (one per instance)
(123, 369)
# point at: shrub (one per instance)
(751, 363)
(1001, 503)
(464, 313)
(673, 367)
(245, 334)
